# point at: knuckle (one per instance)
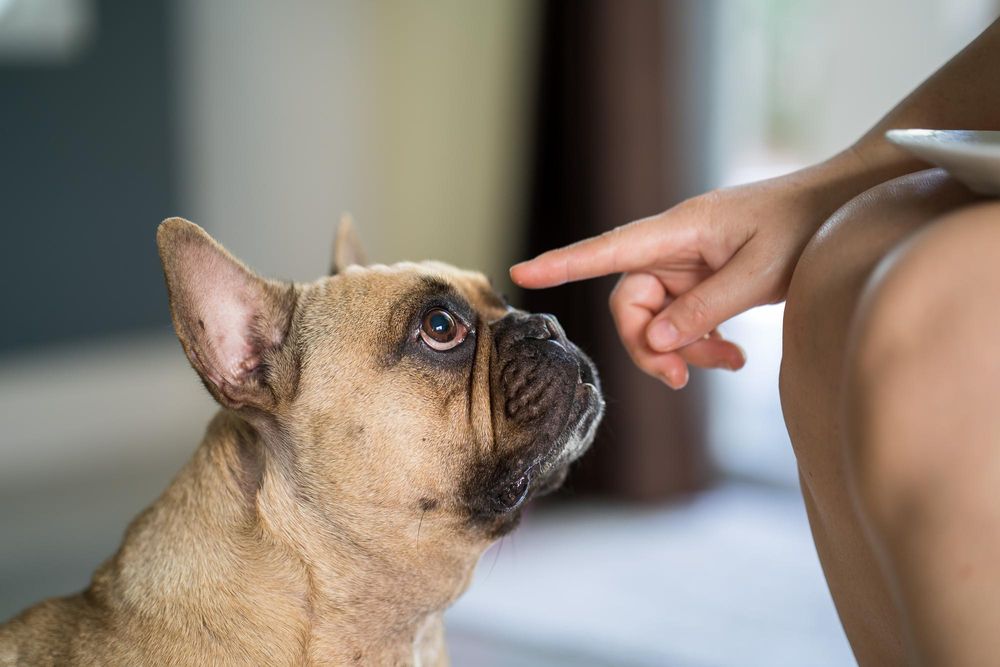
(702, 204)
(565, 270)
(694, 312)
(613, 237)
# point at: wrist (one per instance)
(832, 183)
(875, 159)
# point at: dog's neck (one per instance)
(233, 551)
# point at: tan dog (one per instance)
(379, 429)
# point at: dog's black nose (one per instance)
(543, 327)
(520, 327)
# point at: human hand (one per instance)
(694, 266)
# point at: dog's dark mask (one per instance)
(546, 404)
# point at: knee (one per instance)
(920, 363)
(811, 304)
(837, 262)
(824, 287)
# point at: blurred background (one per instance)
(473, 132)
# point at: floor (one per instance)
(730, 578)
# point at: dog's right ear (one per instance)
(231, 322)
(347, 248)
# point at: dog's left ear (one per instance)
(347, 248)
(231, 322)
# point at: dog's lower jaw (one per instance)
(204, 577)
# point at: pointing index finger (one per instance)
(625, 248)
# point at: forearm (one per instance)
(963, 94)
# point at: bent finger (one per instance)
(633, 303)
(724, 294)
(713, 352)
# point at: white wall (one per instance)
(827, 70)
(275, 102)
(410, 115)
(453, 97)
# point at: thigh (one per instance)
(822, 301)
(921, 392)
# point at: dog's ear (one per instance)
(231, 322)
(347, 248)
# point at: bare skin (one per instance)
(822, 304)
(891, 359)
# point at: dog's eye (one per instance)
(441, 330)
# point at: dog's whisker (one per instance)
(496, 557)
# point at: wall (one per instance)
(409, 115)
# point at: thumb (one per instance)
(693, 314)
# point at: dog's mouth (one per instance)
(586, 411)
(548, 469)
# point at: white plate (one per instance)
(971, 156)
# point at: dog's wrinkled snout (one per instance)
(538, 368)
(546, 401)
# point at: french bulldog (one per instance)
(379, 428)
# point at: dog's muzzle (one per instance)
(547, 404)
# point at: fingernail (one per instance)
(663, 336)
(739, 362)
(676, 384)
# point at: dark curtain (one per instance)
(617, 129)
